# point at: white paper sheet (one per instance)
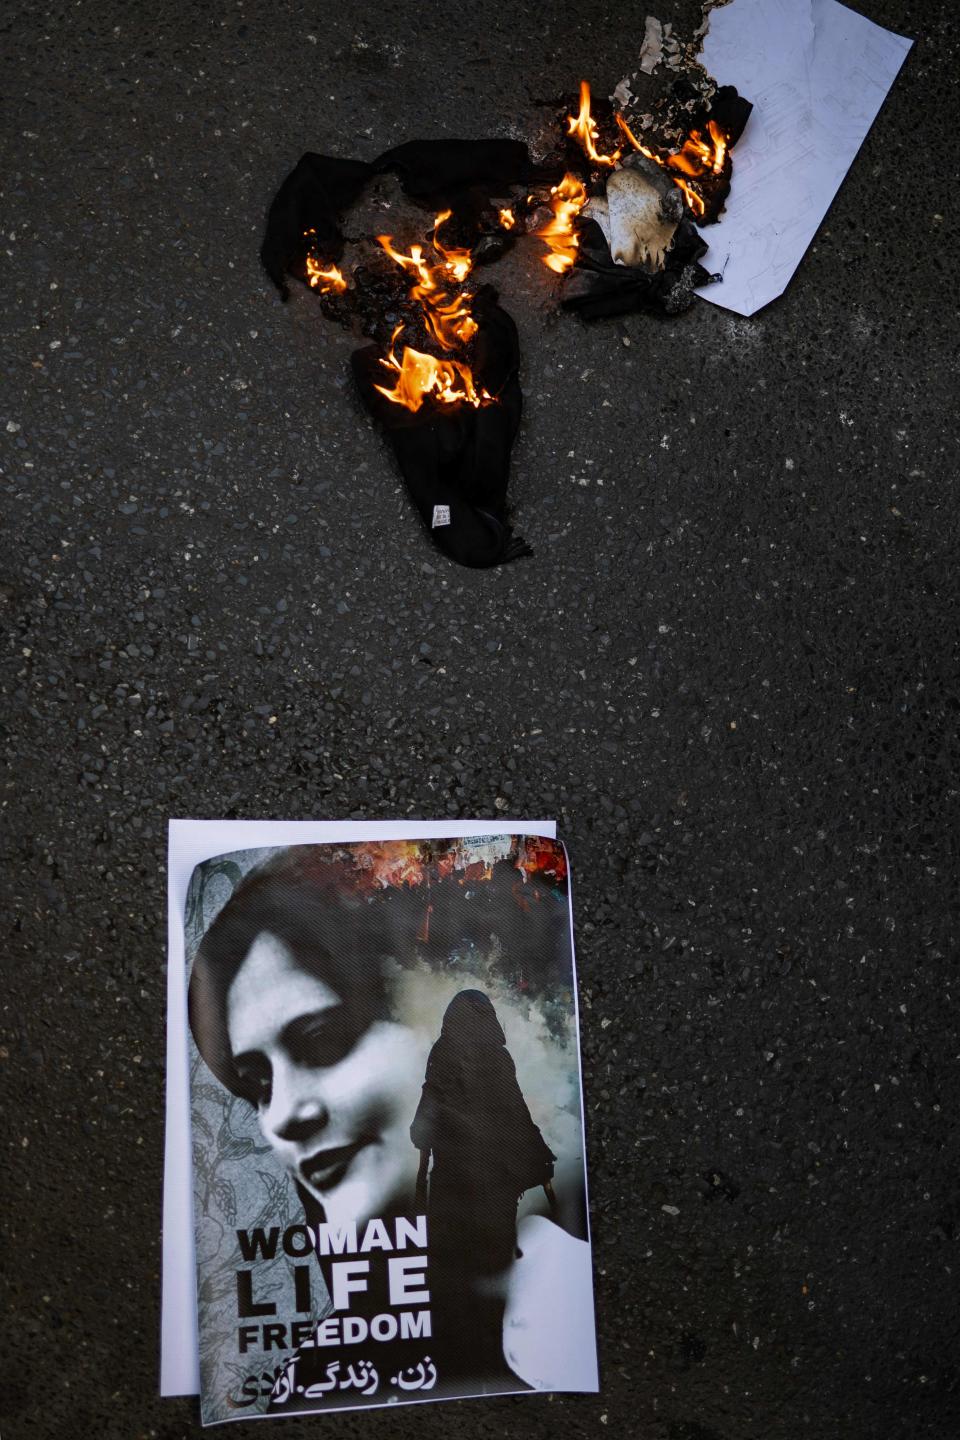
(189, 843)
(817, 74)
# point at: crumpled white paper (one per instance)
(817, 74)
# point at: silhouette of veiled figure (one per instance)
(473, 1120)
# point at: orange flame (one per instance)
(695, 201)
(585, 129)
(720, 145)
(559, 234)
(507, 219)
(625, 129)
(324, 280)
(449, 324)
(320, 279)
(458, 263)
(447, 317)
(420, 375)
(697, 156)
(413, 262)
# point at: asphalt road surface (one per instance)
(730, 672)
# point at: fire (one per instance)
(420, 375)
(560, 234)
(684, 160)
(720, 145)
(585, 129)
(324, 280)
(625, 129)
(696, 202)
(447, 316)
(457, 263)
(697, 156)
(319, 279)
(446, 313)
(507, 219)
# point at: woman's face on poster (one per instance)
(335, 1097)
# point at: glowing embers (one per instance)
(420, 376)
(560, 234)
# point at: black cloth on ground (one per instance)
(598, 286)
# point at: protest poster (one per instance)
(387, 1124)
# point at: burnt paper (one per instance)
(389, 1179)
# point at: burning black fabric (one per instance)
(312, 199)
(598, 286)
(459, 175)
(730, 113)
(455, 459)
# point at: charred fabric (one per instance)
(617, 219)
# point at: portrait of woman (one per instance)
(345, 994)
